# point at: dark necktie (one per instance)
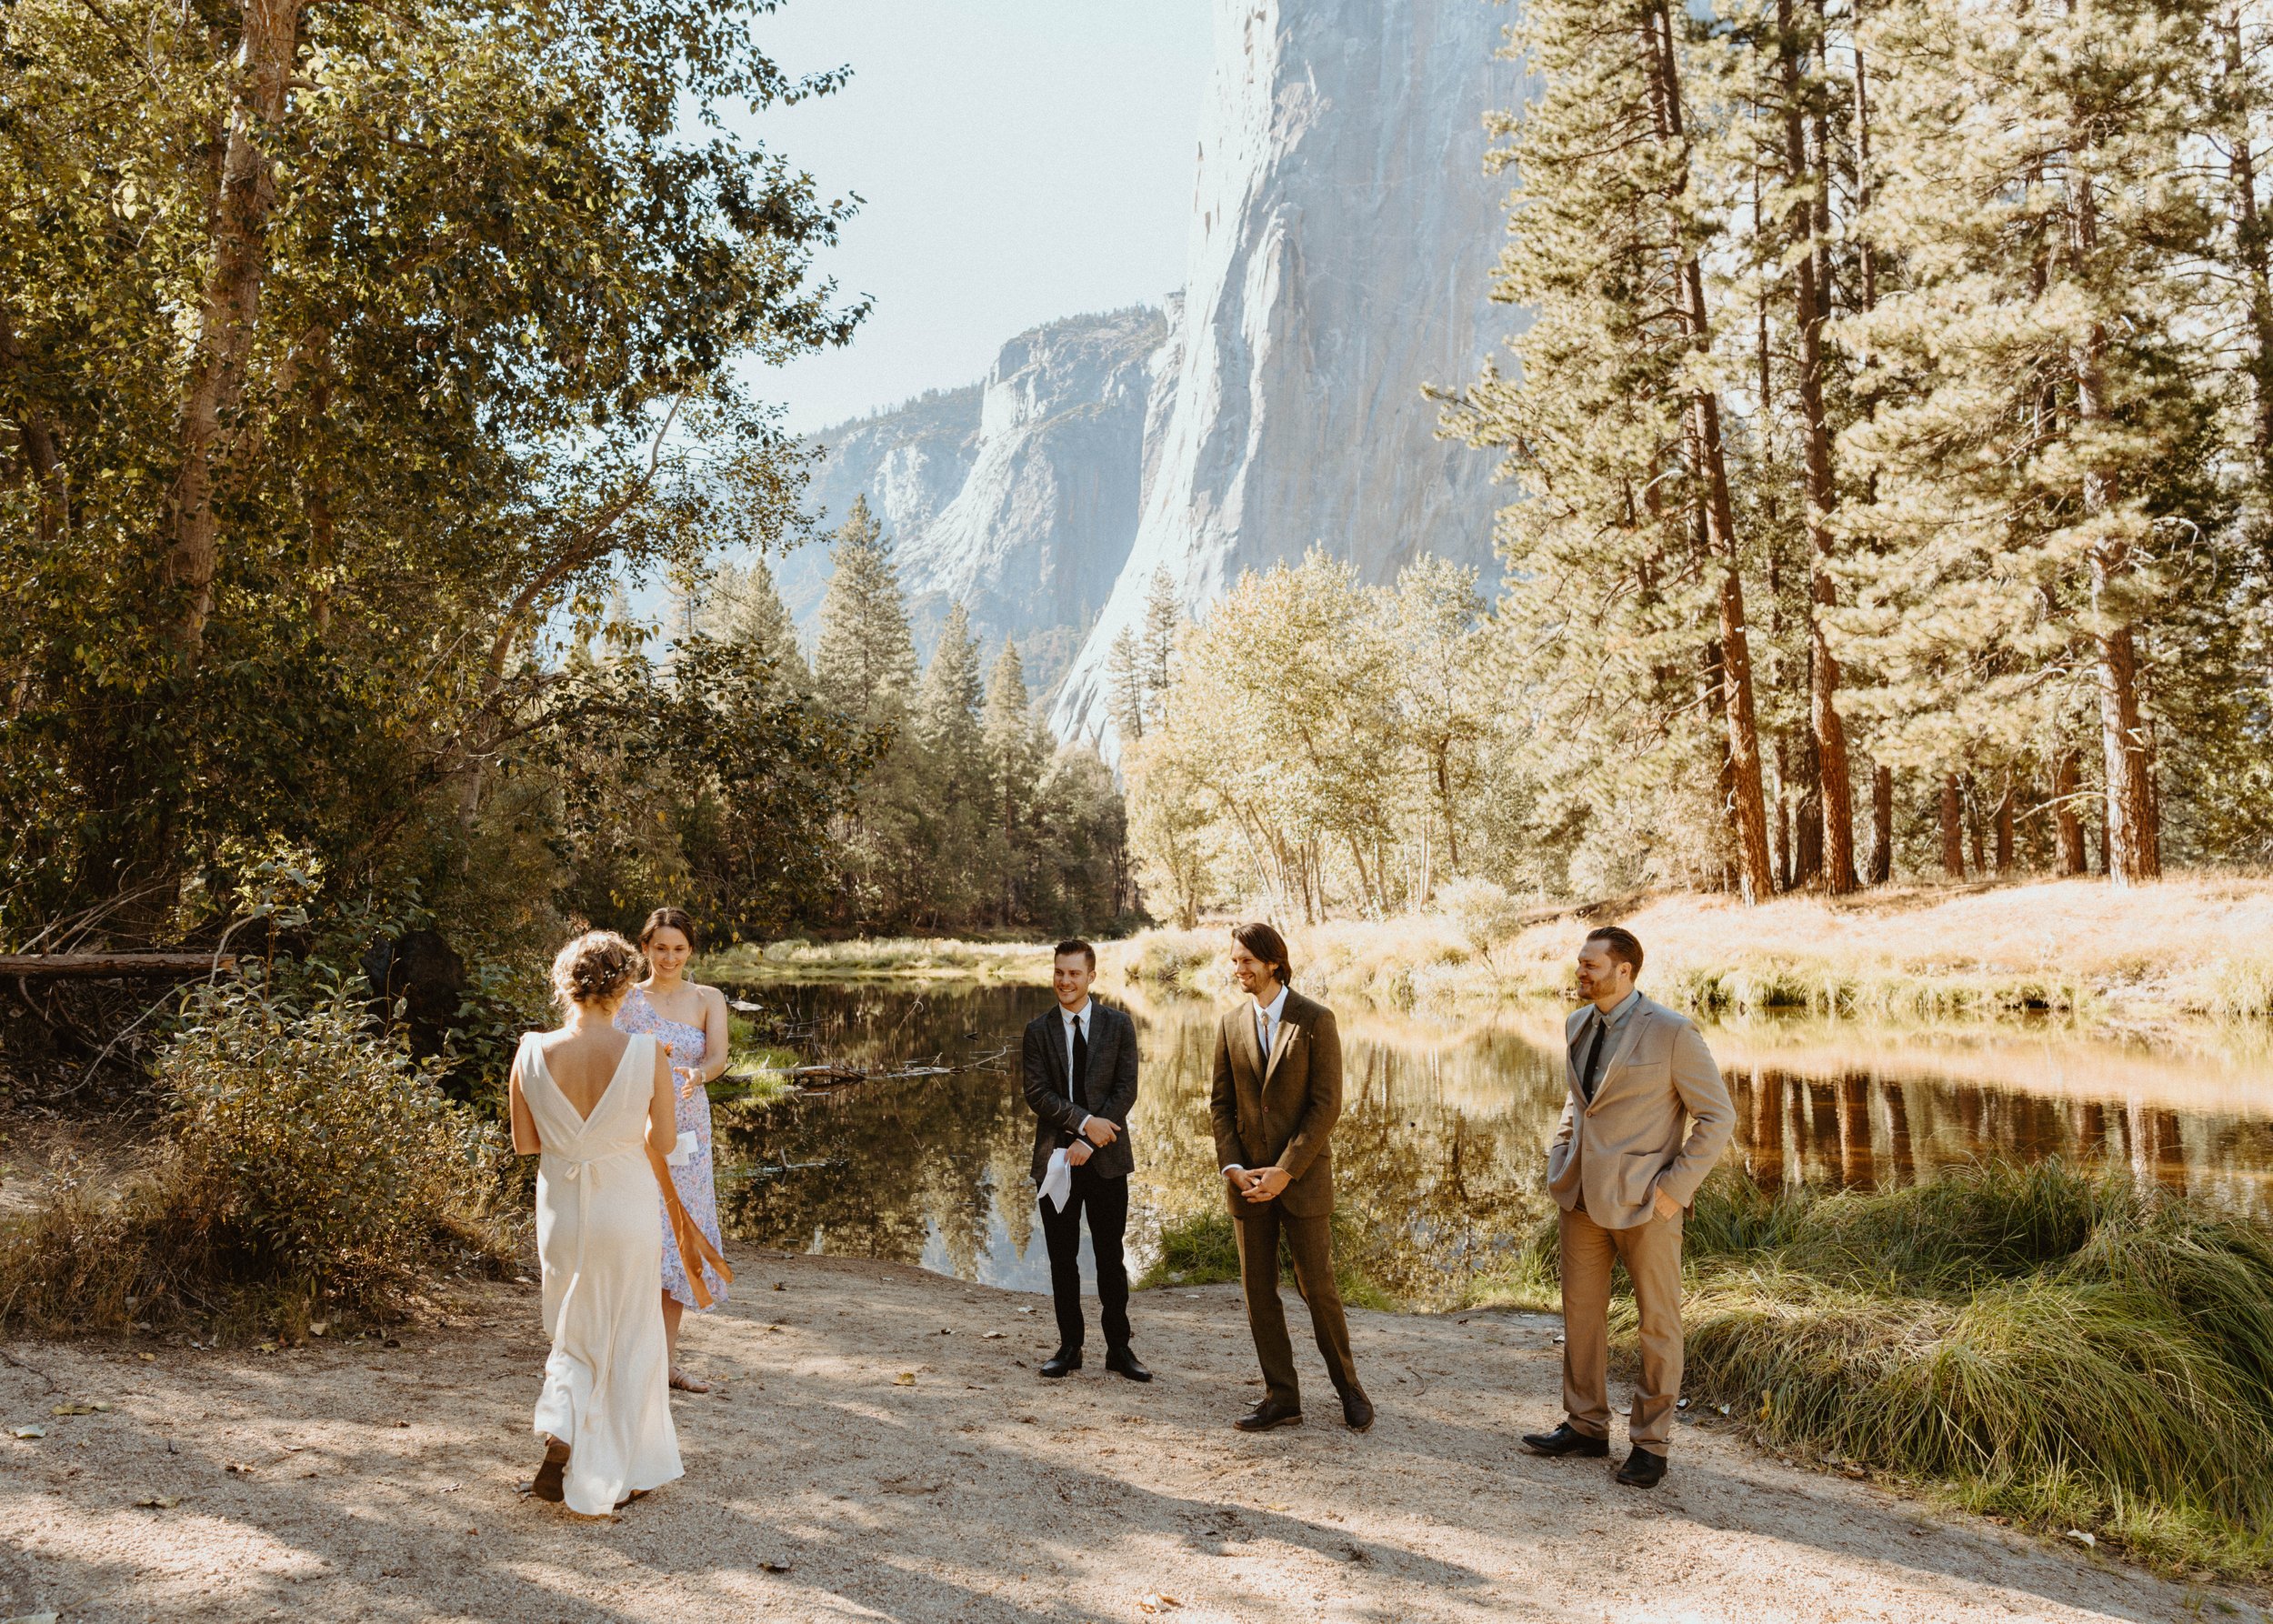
(1081, 1068)
(1592, 1065)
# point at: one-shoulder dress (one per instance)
(698, 1183)
(606, 1391)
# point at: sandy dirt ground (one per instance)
(880, 1447)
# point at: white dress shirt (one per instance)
(1266, 1019)
(1074, 1018)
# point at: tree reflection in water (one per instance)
(1438, 1159)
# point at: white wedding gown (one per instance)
(607, 1381)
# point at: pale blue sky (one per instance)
(1020, 160)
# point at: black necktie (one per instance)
(1592, 1063)
(1081, 1066)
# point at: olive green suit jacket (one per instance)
(1279, 1110)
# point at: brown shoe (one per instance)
(546, 1486)
(1267, 1414)
(1357, 1410)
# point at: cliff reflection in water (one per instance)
(1438, 1157)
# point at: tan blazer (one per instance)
(1281, 1111)
(1629, 1144)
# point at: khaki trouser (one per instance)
(1652, 1252)
(1310, 1242)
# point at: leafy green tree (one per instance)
(341, 352)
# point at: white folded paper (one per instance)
(1057, 1180)
(682, 1153)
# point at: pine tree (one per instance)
(1126, 685)
(864, 661)
(743, 607)
(1016, 748)
(2040, 437)
(1155, 648)
(1628, 591)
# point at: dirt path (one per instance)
(361, 1482)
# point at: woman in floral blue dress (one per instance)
(691, 1020)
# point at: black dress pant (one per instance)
(1106, 1200)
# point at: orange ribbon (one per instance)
(695, 1247)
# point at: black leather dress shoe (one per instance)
(1063, 1362)
(1357, 1409)
(1641, 1469)
(1567, 1439)
(1121, 1362)
(1267, 1415)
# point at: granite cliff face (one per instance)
(910, 462)
(1017, 500)
(1340, 251)
(1341, 245)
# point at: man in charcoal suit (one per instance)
(1646, 1118)
(1080, 1065)
(1277, 1094)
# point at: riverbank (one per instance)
(2188, 951)
(876, 1447)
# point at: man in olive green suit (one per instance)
(1646, 1117)
(1277, 1093)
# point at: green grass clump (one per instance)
(1199, 1250)
(1204, 1250)
(2055, 1345)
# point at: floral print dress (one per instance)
(697, 1185)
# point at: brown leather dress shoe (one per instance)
(1267, 1414)
(1357, 1409)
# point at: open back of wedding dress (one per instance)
(606, 1382)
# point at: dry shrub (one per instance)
(311, 1162)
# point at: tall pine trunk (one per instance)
(2132, 855)
(1756, 878)
(1833, 825)
(1881, 825)
(1952, 827)
(2066, 822)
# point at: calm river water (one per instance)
(1439, 1151)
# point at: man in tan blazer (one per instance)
(1277, 1093)
(1646, 1118)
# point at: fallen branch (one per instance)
(90, 966)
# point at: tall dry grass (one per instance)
(2060, 1346)
(794, 958)
(2194, 947)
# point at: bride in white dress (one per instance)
(596, 1105)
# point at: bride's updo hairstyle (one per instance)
(598, 968)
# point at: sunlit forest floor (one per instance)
(878, 1447)
(2189, 950)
